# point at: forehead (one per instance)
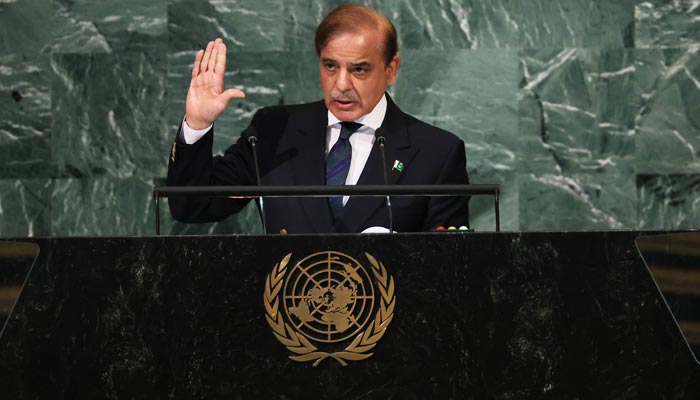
(353, 46)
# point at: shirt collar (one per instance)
(372, 120)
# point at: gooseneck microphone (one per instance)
(382, 140)
(253, 139)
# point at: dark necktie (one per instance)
(338, 164)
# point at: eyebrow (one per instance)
(363, 64)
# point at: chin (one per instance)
(346, 115)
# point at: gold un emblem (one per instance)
(329, 305)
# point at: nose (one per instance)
(343, 83)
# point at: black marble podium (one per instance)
(477, 316)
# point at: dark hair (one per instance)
(353, 17)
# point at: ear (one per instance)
(392, 69)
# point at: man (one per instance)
(317, 143)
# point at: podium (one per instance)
(474, 316)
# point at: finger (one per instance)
(233, 94)
(220, 63)
(213, 57)
(206, 57)
(197, 61)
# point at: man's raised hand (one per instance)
(206, 98)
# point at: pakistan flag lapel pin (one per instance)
(398, 166)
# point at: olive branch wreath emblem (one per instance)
(298, 344)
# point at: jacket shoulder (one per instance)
(420, 133)
(427, 136)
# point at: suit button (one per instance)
(283, 231)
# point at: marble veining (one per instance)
(597, 93)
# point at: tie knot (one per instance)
(348, 128)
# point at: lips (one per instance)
(344, 104)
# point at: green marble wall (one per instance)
(587, 112)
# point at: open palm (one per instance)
(206, 97)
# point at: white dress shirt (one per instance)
(361, 141)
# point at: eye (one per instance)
(329, 66)
(359, 70)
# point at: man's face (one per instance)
(353, 73)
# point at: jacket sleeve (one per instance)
(193, 165)
(450, 210)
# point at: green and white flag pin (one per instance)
(398, 166)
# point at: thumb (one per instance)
(231, 94)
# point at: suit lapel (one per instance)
(397, 147)
(309, 167)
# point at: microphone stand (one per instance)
(252, 139)
(381, 140)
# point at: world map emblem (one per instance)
(329, 305)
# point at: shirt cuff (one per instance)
(190, 135)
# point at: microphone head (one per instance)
(252, 134)
(379, 134)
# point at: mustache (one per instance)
(344, 96)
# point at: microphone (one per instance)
(382, 140)
(253, 139)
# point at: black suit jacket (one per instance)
(291, 151)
